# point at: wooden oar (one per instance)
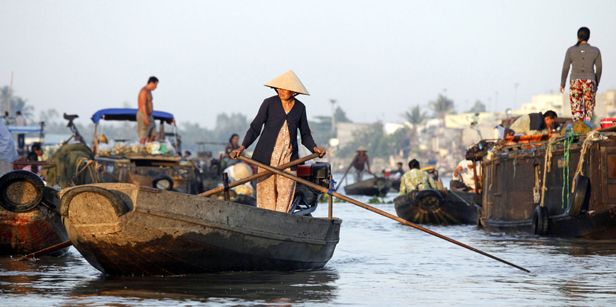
(343, 177)
(377, 211)
(258, 175)
(46, 250)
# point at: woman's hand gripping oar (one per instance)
(259, 175)
(377, 211)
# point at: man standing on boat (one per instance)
(416, 179)
(535, 123)
(280, 117)
(361, 163)
(145, 120)
(585, 76)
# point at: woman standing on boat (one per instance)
(585, 75)
(280, 116)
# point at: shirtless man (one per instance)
(145, 121)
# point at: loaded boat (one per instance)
(438, 207)
(563, 186)
(29, 219)
(157, 164)
(126, 229)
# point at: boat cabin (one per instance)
(154, 164)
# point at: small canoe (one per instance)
(376, 186)
(123, 229)
(29, 220)
(438, 208)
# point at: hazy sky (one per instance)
(377, 58)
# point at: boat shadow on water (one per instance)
(552, 245)
(265, 286)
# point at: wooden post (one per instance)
(225, 184)
(330, 201)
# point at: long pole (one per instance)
(343, 177)
(377, 211)
(258, 175)
(46, 250)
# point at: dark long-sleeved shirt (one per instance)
(586, 62)
(270, 118)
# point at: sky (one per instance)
(375, 58)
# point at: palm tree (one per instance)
(20, 104)
(478, 107)
(415, 116)
(6, 95)
(442, 106)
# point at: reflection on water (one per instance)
(377, 262)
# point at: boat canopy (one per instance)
(128, 114)
(25, 129)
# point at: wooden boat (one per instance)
(29, 220)
(562, 187)
(123, 229)
(439, 208)
(376, 186)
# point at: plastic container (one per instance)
(608, 122)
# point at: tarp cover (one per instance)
(69, 166)
(128, 114)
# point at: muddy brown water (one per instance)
(377, 263)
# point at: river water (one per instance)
(377, 262)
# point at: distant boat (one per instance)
(123, 229)
(29, 220)
(438, 208)
(376, 186)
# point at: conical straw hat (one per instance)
(288, 81)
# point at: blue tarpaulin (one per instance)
(128, 114)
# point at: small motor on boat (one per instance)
(306, 199)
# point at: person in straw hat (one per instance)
(361, 162)
(280, 117)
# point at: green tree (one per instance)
(442, 106)
(6, 94)
(415, 115)
(20, 104)
(340, 116)
(478, 107)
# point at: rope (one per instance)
(567, 158)
(546, 168)
(87, 163)
(590, 138)
(537, 186)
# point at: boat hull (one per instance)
(369, 187)
(27, 232)
(167, 233)
(591, 226)
(438, 209)
(516, 178)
